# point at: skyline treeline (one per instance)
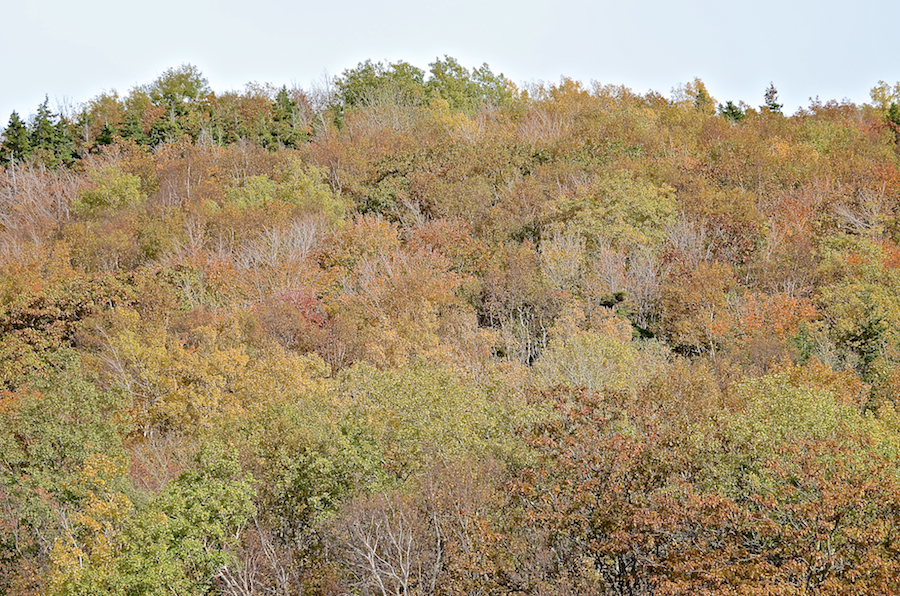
(180, 104)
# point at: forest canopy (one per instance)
(430, 332)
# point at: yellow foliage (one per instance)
(603, 358)
(618, 208)
(178, 382)
(110, 189)
(90, 541)
(883, 95)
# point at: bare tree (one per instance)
(390, 546)
(265, 567)
(33, 203)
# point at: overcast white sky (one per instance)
(72, 50)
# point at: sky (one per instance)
(71, 50)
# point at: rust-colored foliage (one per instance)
(622, 501)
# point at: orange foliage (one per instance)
(761, 327)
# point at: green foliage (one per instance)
(179, 542)
(860, 299)
(618, 208)
(206, 510)
(776, 411)
(304, 187)
(403, 84)
(111, 189)
(295, 184)
(884, 95)
(52, 429)
(370, 83)
(422, 413)
(50, 434)
(255, 191)
(466, 91)
(16, 145)
(894, 113)
(47, 139)
(887, 100)
(308, 460)
(43, 129)
(288, 128)
(177, 86)
(597, 360)
(731, 112)
(168, 107)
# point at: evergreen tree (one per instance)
(772, 100)
(133, 129)
(286, 127)
(16, 145)
(43, 129)
(106, 135)
(729, 111)
(894, 113)
(64, 151)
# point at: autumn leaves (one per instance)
(443, 336)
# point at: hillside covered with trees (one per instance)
(430, 333)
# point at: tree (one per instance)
(206, 510)
(601, 359)
(887, 100)
(177, 86)
(370, 83)
(619, 208)
(894, 113)
(50, 434)
(16, 145)
(178, 91)
(703, 102)
(731, 112)
(465, 91)
(179, 542)
(99, 120)
(771, 98)
(111, 189)
(64, 151)
(34, 201)
(694, 301)
(589, 500)
(421, 414)
(884, 95)
(517, 302)
(43, 129)
(288, 128)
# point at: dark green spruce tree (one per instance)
(288, 127)
(16, 145)
(729, 111)
(43, 129)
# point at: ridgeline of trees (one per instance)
(431, 333)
